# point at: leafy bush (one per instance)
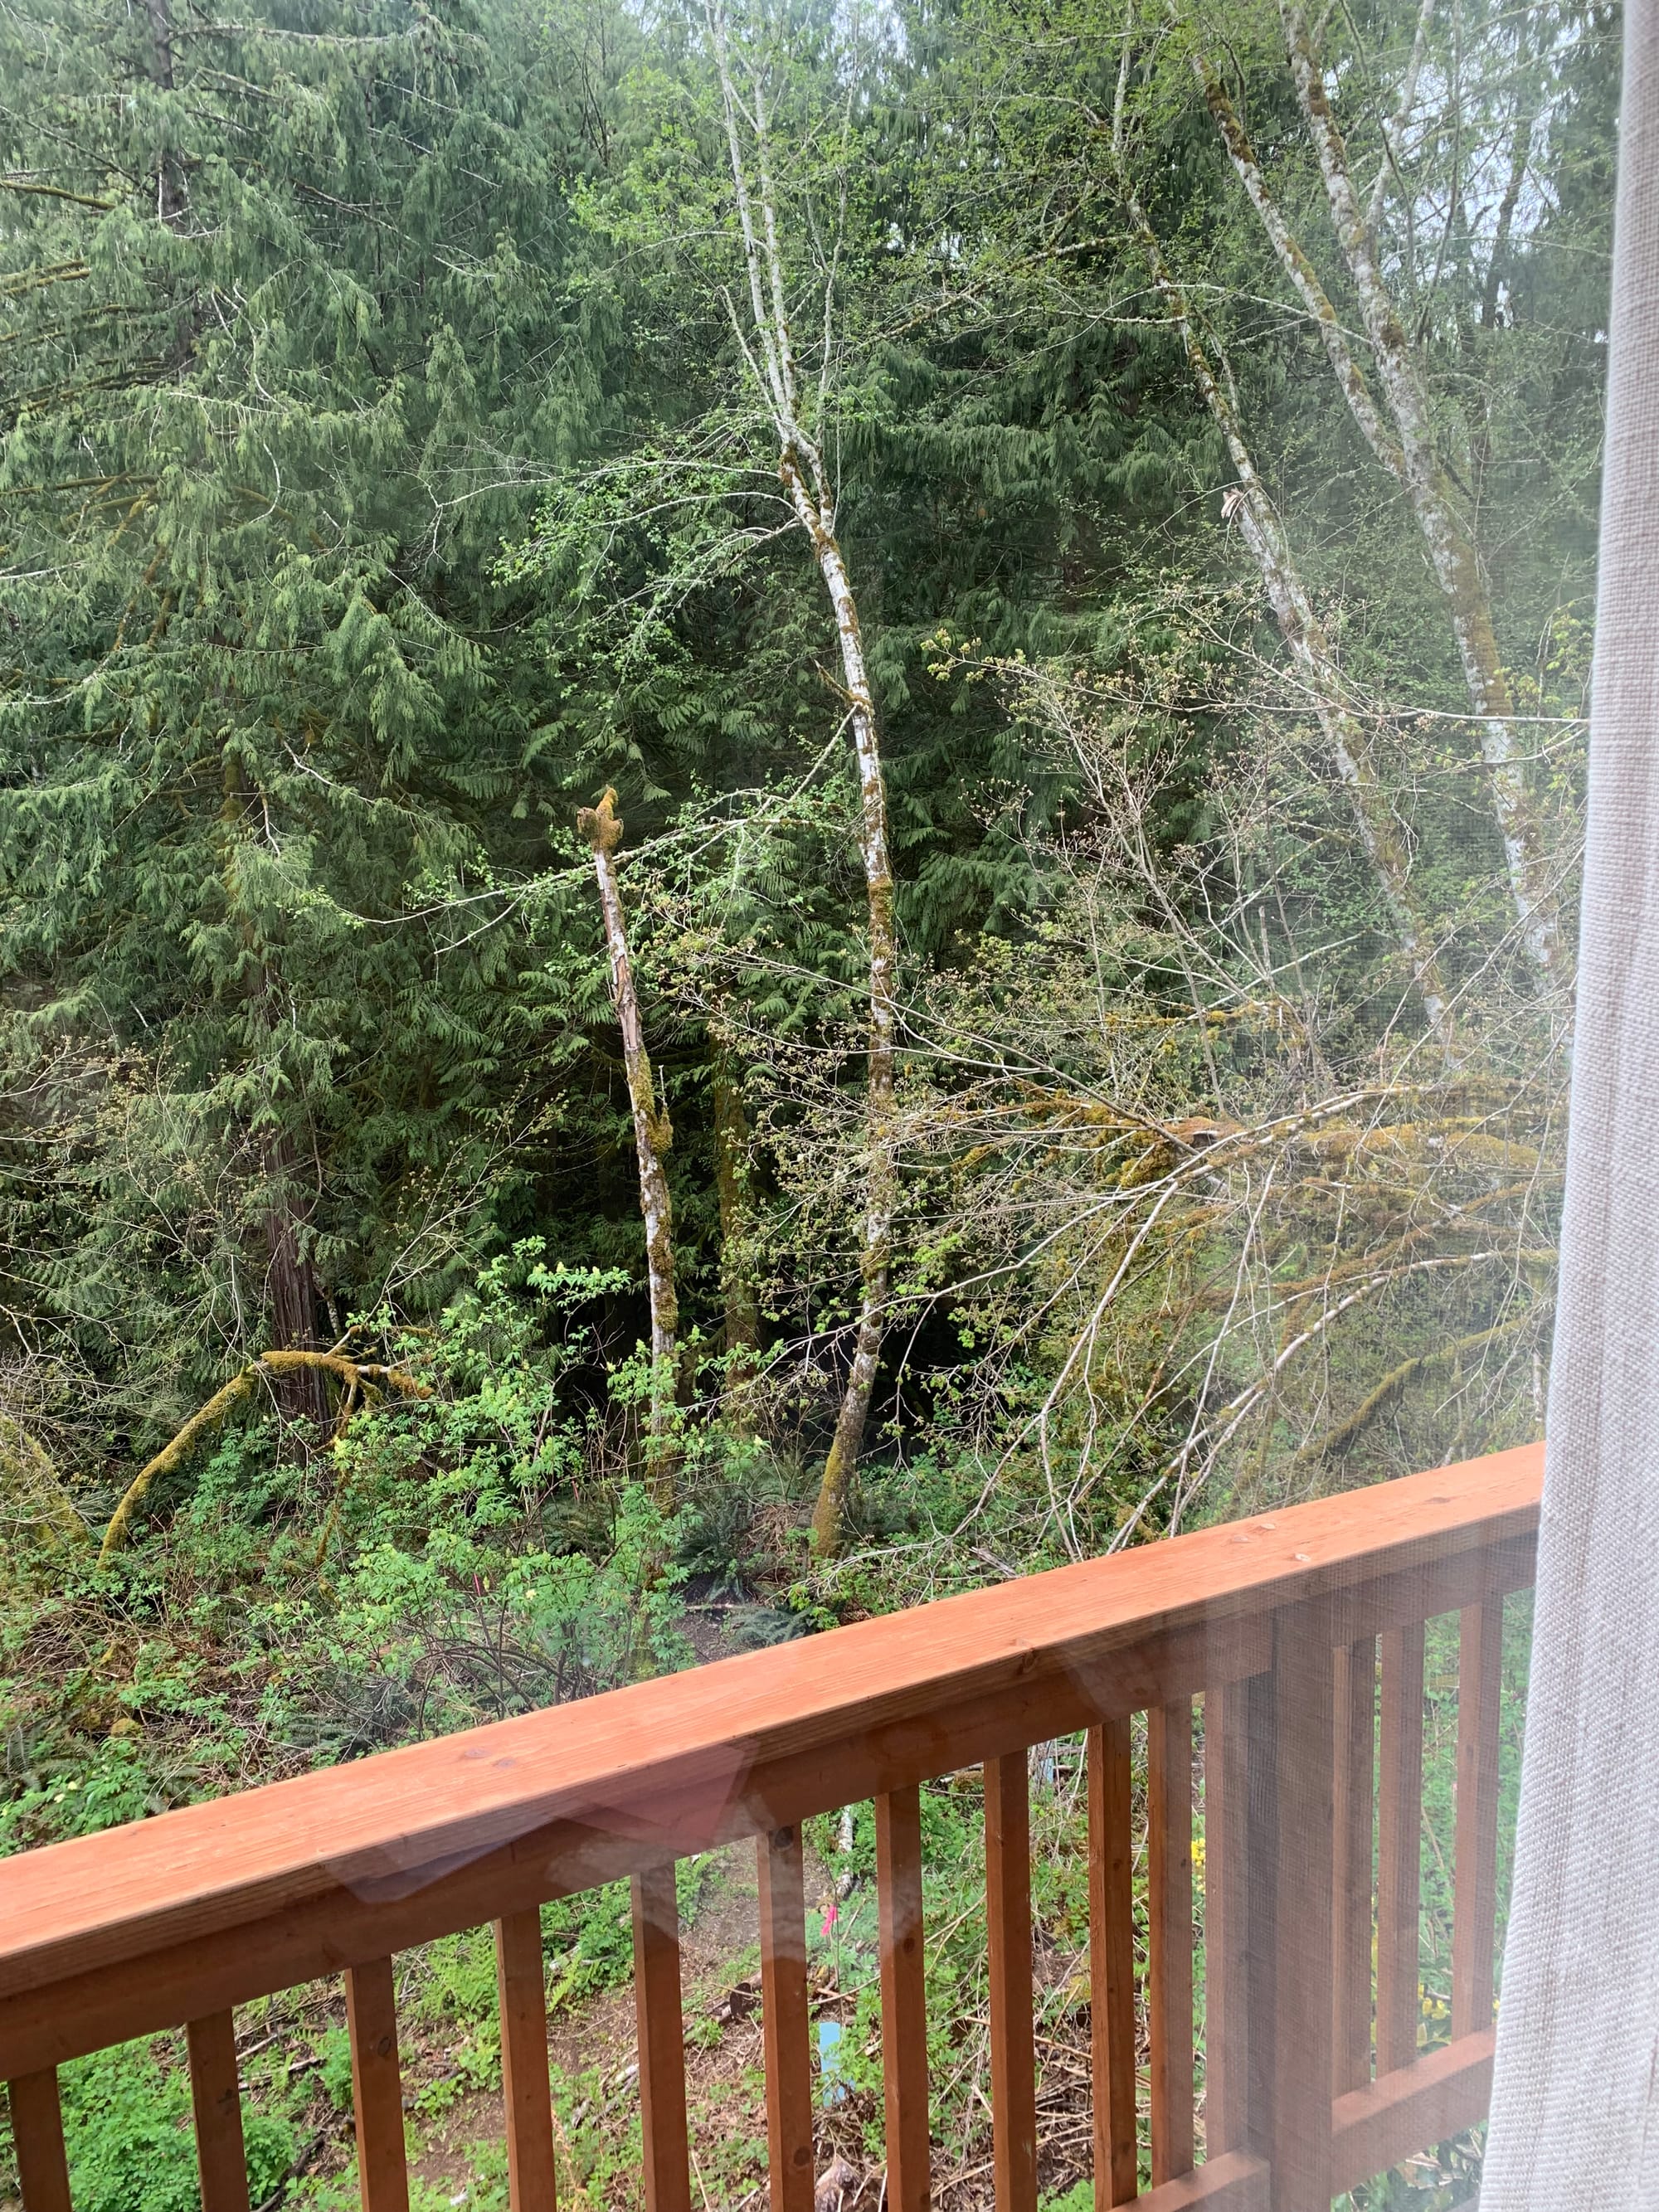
(589, 1938)
(126, 2127)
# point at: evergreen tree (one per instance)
(292, 328)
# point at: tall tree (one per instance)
(285, 293)
(799, 422)
(1401, 432)
(1248, 503)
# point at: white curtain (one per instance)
(1576, 2099)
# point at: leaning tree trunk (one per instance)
(1310, 649)
(652, 1135)
(880, 1174)
(1451, 550)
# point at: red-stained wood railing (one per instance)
(1286, 1626)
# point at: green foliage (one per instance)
(589, 1938)
(434, 1570)
(276, 365)
(131, 2148)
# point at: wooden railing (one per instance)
(1312, 2075)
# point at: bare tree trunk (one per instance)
(768, 351)
(737, 1261)
(303, 1394)
(1248, 505)
(1451, 551)
(880, 1183)
(653, 1136)
(1296, 267)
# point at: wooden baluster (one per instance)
(1399, 1825)
(377, 2089)
(37, 2133)
(903, 1999)
(1474, 1912)
(1008, 1921)
(662, 2042)
(1226, 1961)
(1301, 2104)
(526, 2092)
(1356, 1758)
(1112, 1965)
(1170, 1911)
(786, 2021)
(216, 2102)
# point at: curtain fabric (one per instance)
(1575, 2114)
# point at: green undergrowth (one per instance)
(492, 1550)
(126, 2110)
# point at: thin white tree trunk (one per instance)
(1248, 505)
(1294, 262)
(769, 352)
(876, 1255)
(652, 1135)
(1393, 138)
(1451, 550)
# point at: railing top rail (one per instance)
(305, 1875)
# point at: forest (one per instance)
(789, 807)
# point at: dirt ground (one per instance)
(595, 2043)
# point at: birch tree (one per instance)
(1398, 426)
(652, 1134)
(797, 412)
(1252, 510)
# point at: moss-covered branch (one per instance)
(351, 1373)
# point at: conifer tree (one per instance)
(286, 294)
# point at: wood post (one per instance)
(36, 2132)
(216, 2104)
(526, 2092)
(1301, 2101)
(1170, 1916)
(1356, 1757)
(1398, 1821)
(903, 1999)
(666, 2145)
(377, 2091)
(786, 2023)
(1112, 1965)
(1475, 1909)
(1226, 1919)
(1008, 1923)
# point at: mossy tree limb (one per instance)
(271, 1366)
(1347, 1431)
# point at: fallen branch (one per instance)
(352, 1374)
(1337, 1438)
